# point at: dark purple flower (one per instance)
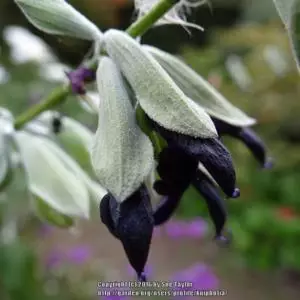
(79, 254)
(79, 77)
(249, 138)
(177, 171)
(132, 223)
(188, 152)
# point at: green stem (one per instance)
(60, 94)
(57, 96)
(142, 25)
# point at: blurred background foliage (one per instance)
(245, 53)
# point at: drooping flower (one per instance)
(186, 127)
(132, 223)
(228, 119)
(177, 171)
(249, 138)
(122, 156)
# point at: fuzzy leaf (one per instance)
(199, 90)
(49, 215)
(289, 11)
(49, 179)
(122, 155)
(96, 191)
(90, 102)
(158, 95)
(284, 8)
(58, 17)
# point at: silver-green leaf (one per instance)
(199, 90)
(58, 17)
(49, 179)
(49, 215)
(289, 11)
(96, 191)
(161, 99)
(122, 155)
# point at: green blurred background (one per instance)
(245, 53)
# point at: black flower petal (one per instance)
(214, 202)
(135, 227)
(105, 213)
(132, 223)
(210, 152)
(249, 138)
(165, 209)
(176, 169)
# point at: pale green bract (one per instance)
(96, 191)
(59, 17)
(122, 155)
(90, 102)
(49, 215)
(161, 99)
(49, 179)
(75, 138)
(284, 8)
(289, 11)
(199, 90)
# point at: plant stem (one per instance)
(57, 96)
(142, 25)
(60, 94)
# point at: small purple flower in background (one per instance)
(175, 229)
(79, 254)
(196, 228)
(199, 275)
(54, 259)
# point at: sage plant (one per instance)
(159, 131)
